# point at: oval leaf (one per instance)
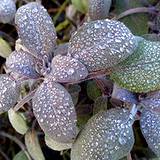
(57, 146)
(140, 72)
(23, 63)
(93, 91)
(54, 109)
(105, 136)
(5, 49)
(35, 29)
(102, 44)
(67, 69)
(7, 11)
(33, 146)
(150, 127)
(9, 92)
(99, 9)
(18, 122)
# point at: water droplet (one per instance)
(70, 71)
(97, 25)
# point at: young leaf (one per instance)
(18, 122)
(81, 5)
(23, 63)
(20, 156)
(100, 104)
(67, 69)
(93, 91)
(33, 146)
(5, 49)
(62, 49)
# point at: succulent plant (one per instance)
(9, 92)
(55, 112)
(36, 30)
(102, 44)
(67, 69)
(150, 127)
(7, 10)
(140, 71)
(99, 9)
(23, 63)
(105, 136)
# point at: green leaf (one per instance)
(18, 121)
(84, 113)
(33, 146)
(74, 92)
(100, 104)
(20, 156)
(57, 146)
(140, 71)
(93, 91)
(5, 49)
(137, 23)
(81, 5)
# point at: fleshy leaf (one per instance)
(62, 49)
(74, 92)
(124, 95)
(100, 104)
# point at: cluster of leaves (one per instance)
(44, 76)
